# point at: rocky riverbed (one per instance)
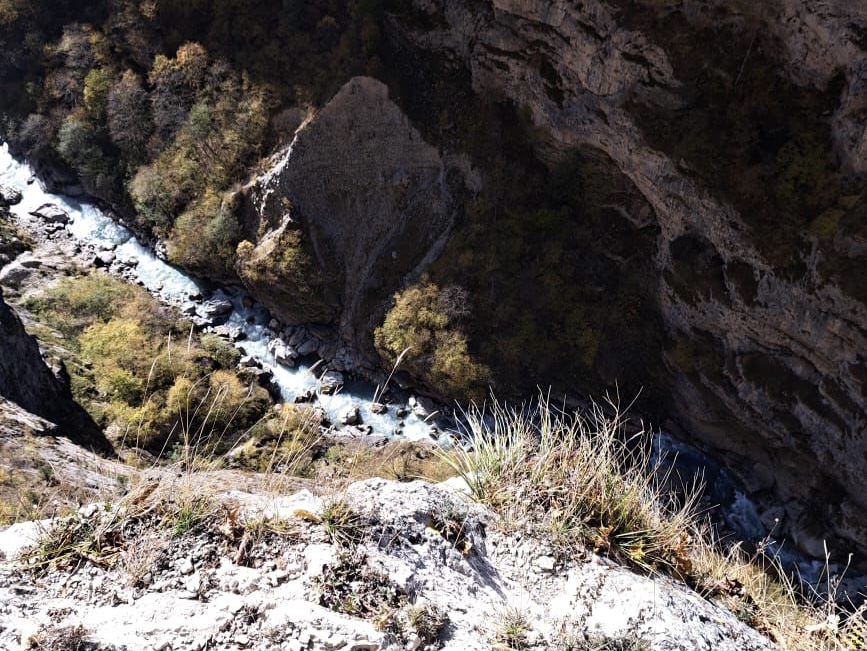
(297, 363)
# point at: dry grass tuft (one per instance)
(577, 479)
(580, 481)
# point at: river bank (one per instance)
(299, 364)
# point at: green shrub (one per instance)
(120, 384)
(223, 353)
(423, 327)
(206, 235)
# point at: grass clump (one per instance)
(759, 591)
(577, 479)
(343, 524)
(61, 638)
(511, 630)
(580, 480)
(75, 539)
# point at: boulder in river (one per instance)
(9, 196)
(283, 353)
(330, 382)
(215, 307)
(51, 213)
(423, 407)
(351, 417)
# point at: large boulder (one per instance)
(51, 213)
(9, 196)
(357, 201)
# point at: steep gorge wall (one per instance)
(28, 383)
(374, 201)
(760, 296)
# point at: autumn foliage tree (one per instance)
(424, 329)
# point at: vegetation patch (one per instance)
(143, 373)
(424, 328)
(581, 481)
(577, 480)
(351, 586)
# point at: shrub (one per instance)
(117, 343)
(97, 85)
(152, 392)
(223, 353)
(425, 324)
(206, 235)
(120, 384)
(129, 122)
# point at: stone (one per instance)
(307, 395)
(283, 353)
(423, 407)
(378, 408)
(185, 566)
(330, 382)
(15, 275)
(351, 416)
(104, 259)
(308, 346)
(215, 307)
(545, 563)
(51, 213)
(231, 333)
(9, 196)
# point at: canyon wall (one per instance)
(734, 135)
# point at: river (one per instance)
(89, 225)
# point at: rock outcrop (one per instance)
(375, 203)
(766, 318)
(304, 591)
(28, 385)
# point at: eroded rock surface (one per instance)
(292, 591)
(375, 202)
(766, 319)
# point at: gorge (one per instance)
(659, 199)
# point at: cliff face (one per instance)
(656, 194)
(27, 385)
(375, 203)
(741, 128)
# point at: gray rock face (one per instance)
(361, 183)
(26, 381)
(51, 214)
(780, 394)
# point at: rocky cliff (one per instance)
(728, 138)
(376, 204)
(31, 398)
(763, 316)
(763, 313)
